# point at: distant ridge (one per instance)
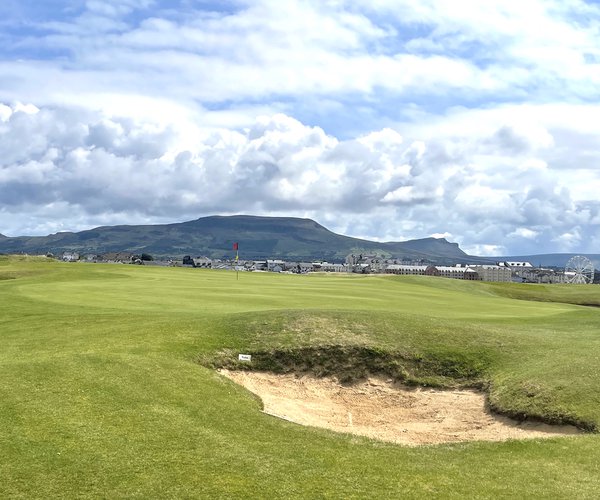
(259, 238)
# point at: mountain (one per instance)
(258, 237)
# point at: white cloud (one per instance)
(446, 235)
(568, 241)
(91, 167)
(485, 250)
(387, 119)
(523, 232)
(294, 48)
(5, 112)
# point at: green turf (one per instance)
(101, 394)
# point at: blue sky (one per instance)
(390, 120)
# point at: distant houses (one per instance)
(522, 272)
(472, 272)
(366, 264)
(115, 258)
(70, 256)
(525, 272)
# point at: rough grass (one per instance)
(350, 363)
(572, 294)
(101, 394)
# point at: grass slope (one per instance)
(101, 394)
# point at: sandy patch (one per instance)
(379, 409)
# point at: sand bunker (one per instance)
(379, 409)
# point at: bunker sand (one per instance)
(380, 409)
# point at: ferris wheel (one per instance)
(579, 270)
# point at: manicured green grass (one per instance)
(101, 394)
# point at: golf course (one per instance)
(109, 382)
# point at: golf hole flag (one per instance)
(236, 247)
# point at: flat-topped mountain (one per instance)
(258, 237)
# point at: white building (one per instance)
(333, 268)
(70, 256)
(517, 265)
(275, 266)
(449, 272)
(405, 269)
(492, 273)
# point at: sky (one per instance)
(389, 120)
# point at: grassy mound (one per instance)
(522, 364)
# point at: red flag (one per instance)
(235, 246)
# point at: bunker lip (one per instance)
(380, 409)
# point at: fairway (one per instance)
(108, 386)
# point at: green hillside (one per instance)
(259, 238)
(106, 388)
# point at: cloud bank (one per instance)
(69, 169)
(387, 120)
